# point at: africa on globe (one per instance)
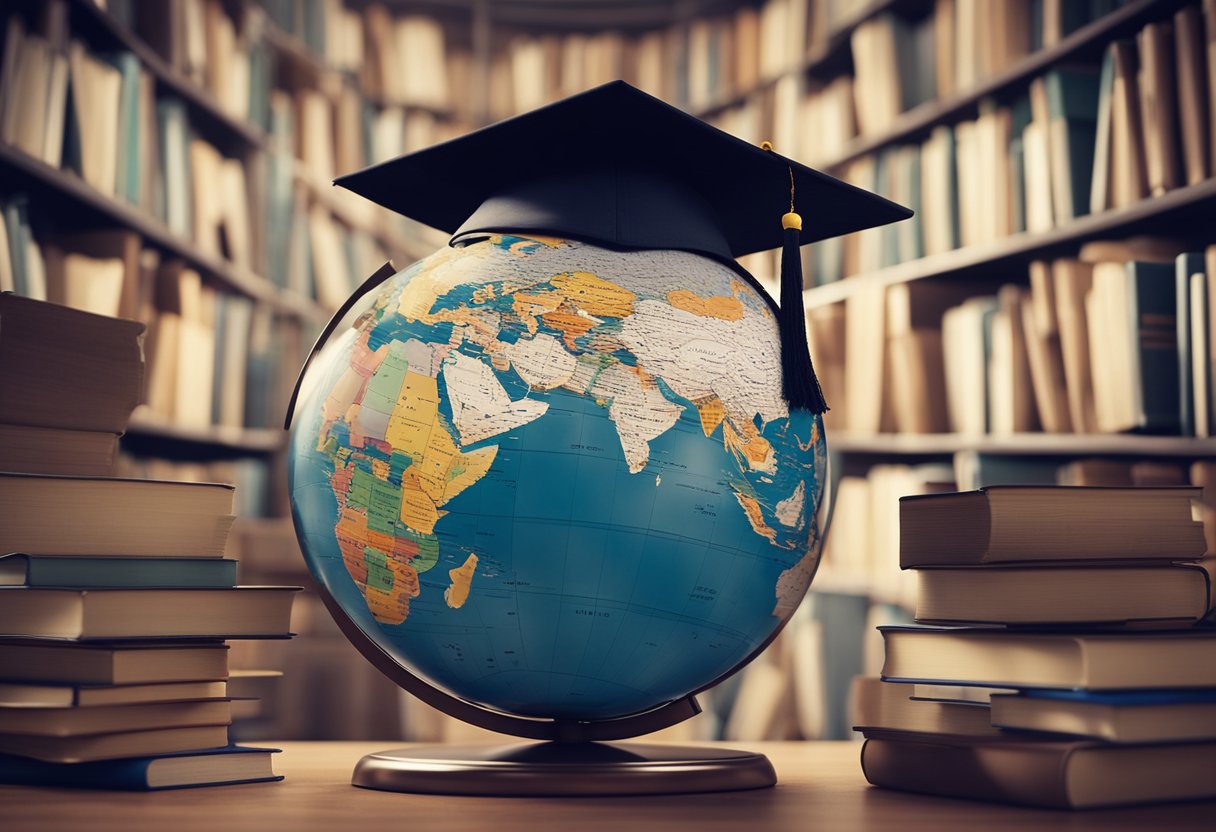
(559, 480)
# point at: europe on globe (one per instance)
(559, 480)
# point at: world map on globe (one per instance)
(560, 480)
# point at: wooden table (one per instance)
(820, 788)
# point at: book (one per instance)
(1113, 716)
(127, 664)
(213, 767)
(64, 368)
(970, 528)
(91, 614)
(95, 572)
(1178, 594)
(1072, 102)
(34, 695)
(1132, 310)
(966, 348)
(1040, 322)
(36, 450)
(975, 469)
(1194, 99)
(110, 719)
(1159, 107)
(56, 515)
(972, 694)
(1072, 280)
(879, 705)
(1050, 775)
(115, 745)
(1095, 661)
(1186, 265)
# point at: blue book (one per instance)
(93, 572)
(187, 769)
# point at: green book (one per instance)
(1019, 118)
(1072, 103)
(1185, 266)
(92, 572)
(130, 154)
(1151, 324)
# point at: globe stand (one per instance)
(563, 769)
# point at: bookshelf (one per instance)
(1187, 204)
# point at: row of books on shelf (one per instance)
(213, 360)
(1063, 664)
(1080, 139)
(1119, 340)
(862, 550)
(117, 595)
(129, 143)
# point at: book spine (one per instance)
(1153, 328)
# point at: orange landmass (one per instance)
(717, 306)
(594, 295)
(756, 517)
(712, 412)
(571, 325)
(748, 446)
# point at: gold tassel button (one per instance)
(791, 220)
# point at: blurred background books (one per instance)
(1045, 317)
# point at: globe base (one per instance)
(563, 769)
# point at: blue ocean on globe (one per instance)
(559, 480)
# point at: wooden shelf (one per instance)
(1022, 444)
(241, 440)
(1020, 248)
(200, 101)
(917, 122)
(68, 187)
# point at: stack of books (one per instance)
(1064, 658)
(115, 595)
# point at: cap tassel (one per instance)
(800, 385)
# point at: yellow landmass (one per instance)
(748, 446)
(756, 517)
(466, 469)
(594, 295)
(712, 412)
(462, 578)
(531, 305)
(393, 606)
(812, 442)
(412, 420)
(380, 469)
(418, 510)
(717, 306)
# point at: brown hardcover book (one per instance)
(114, 746)
(1193, 99)
(1178, 594)
(1094, 661)
(238, 612)
(1129, 176)
(992, 525)
(110, 719)
(60, 515)
(127, 664)
(33, 695)
(1050, 775)
(63, 368)
(1159, 107)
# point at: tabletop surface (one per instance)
(820, 787)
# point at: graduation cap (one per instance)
(618, 167)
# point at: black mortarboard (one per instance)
(617, 166)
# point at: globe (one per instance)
(559, 480)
